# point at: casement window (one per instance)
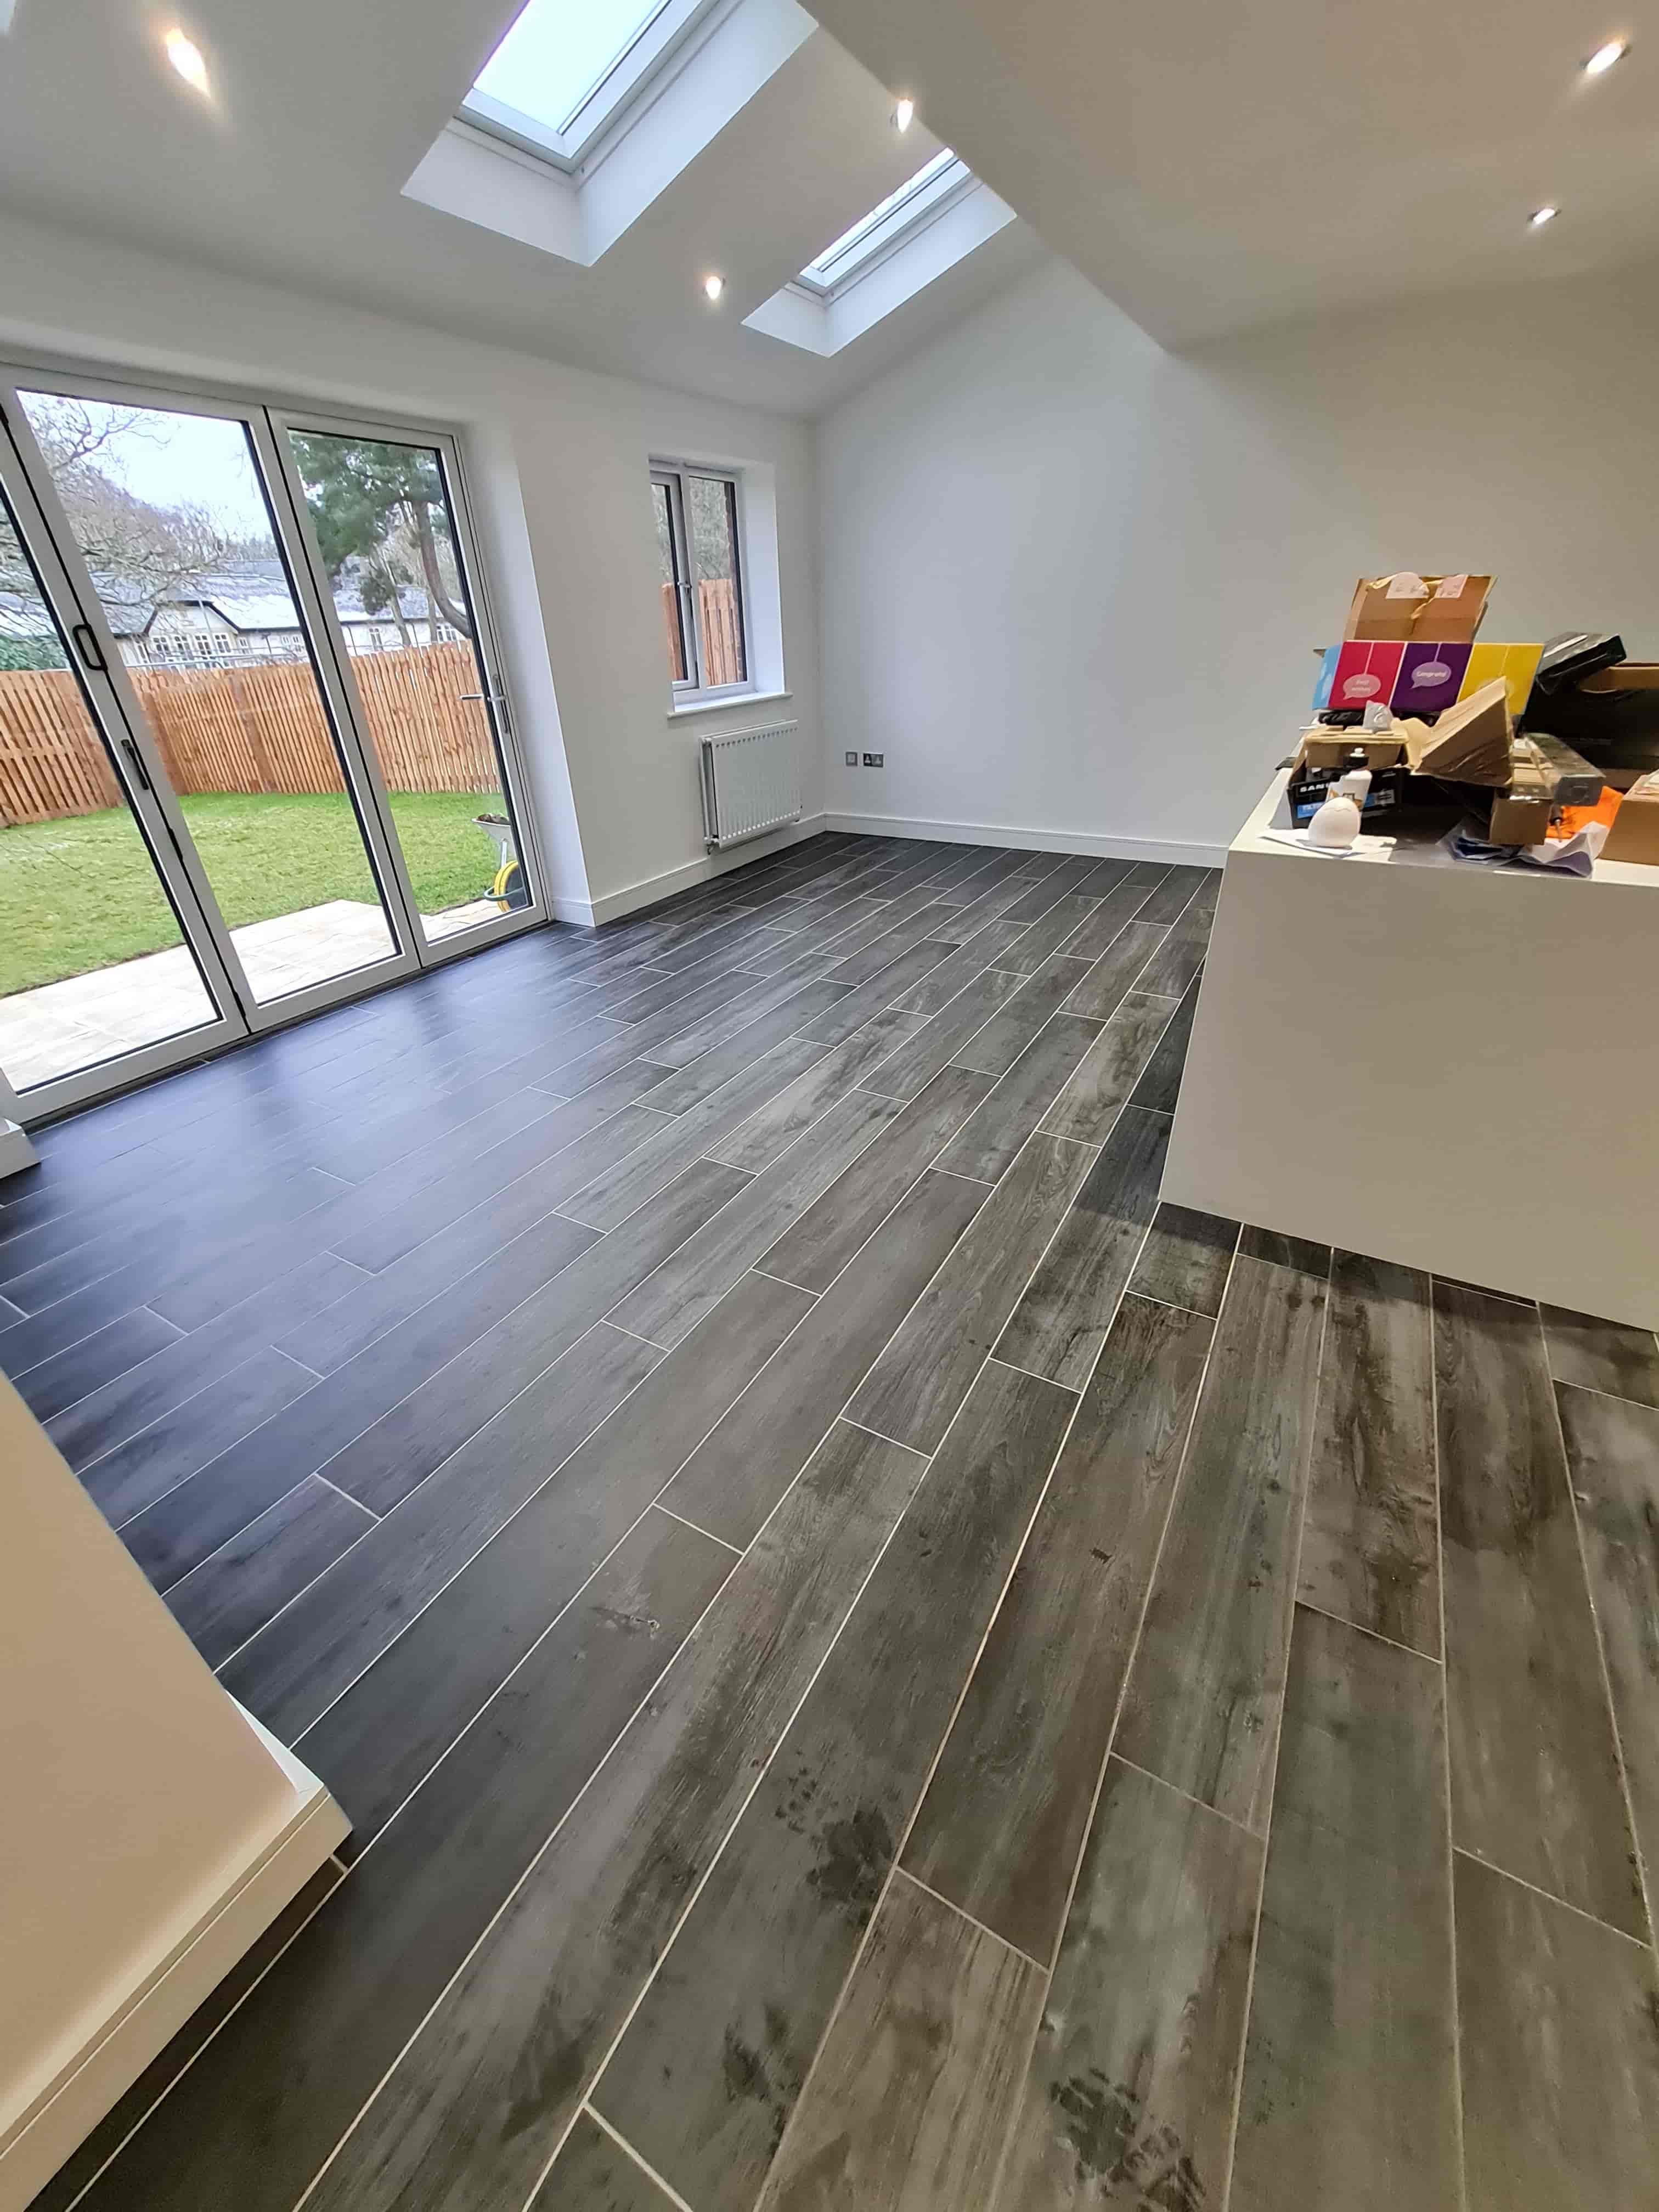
(700, 568)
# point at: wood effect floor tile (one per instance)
(670, 1302)
(709, 2069)
(385, 1461)
(912, 1392)
(769, 1133)
(482, 2096)
(740, 1470)
(1350, 2065)
(1160, 1084)
(49, 1389)
(1119, 905)
(1559, 2051)
(1371, 1539)
(1175, 894)
(886, 989)
(1061, 1322)
(1186, 1258)
(594, 2173)
(815, 1248)
(681, 1088)
(1202, 1705)
(994, 1049)
(1129, 2096)
(914, 2088)
(1613, 1457)
(1284, 1251)
(375, 1743)
(1000, 1829)
(988, 1142)
(1047, 935)
(230, 1597)
(983, 950)
(1120, 969)
(935, 1046)
(1178, 959)
(929, 921)
(147, 1466)
(1535, 1781)
(264, 2103)
(1602, 1355)
(1086, 1109)
(294, 1669)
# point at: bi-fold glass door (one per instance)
(254, 751)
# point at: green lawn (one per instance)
(82, 893)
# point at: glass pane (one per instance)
(386, 529)
(555, 54)
(711, 526)
(170, 517)
(92, 962)
(673, 624)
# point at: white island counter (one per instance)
(1450, 1066)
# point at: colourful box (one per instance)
(1321, 697)
(1430, 678)
(1517, 664)
(1366, 673)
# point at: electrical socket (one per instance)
(851, 760)
(875, 760)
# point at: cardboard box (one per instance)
(1447, 611)
(1521, 813)
(1430, 678)
(1517, 664)
(1635, 832)
(1470, 743)
(1366, 674)
(1331, 749)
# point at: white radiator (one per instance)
(750, 783)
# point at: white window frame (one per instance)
(664, 39)
(889, 225)
(694, 689)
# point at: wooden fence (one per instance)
(253, 729)
(722, 632)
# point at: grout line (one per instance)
(996, 1359)
(757, 1270)
(903, 1874)
(1375, 1634)
(1146, 1298)
(1116, 1758)
(989, 1182)
(605, 1322)
(657, 1506)
(1589, 1389)
(629, 2151)
(346, 1494)
(1462, 1851)
(881, 1434)
(1445, 1763)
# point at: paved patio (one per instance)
(48, 1032)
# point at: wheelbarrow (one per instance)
(507, 888)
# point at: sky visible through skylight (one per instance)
(557, 52)
(823, 270)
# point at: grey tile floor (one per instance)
(872, 1662)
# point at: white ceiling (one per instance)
(1210, 164)
(323, 108)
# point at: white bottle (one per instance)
(1336, 824)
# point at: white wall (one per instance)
(557, 466)
(1071, 581)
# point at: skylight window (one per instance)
(566, 66)
(888, 223)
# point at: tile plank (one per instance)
(994, 1048)
(709, 2071)
(1003, 1822)
(1371, 1542)
(594, 2173)
(886, 989)
(1086, 1109)
(1061, 1322)
(1129, 2096)
(1351, 2063)
(1535, 1782)
(1560, 2059)
(1602, 1355)
(1186, 1258)
(936, 1044)
(1159, 1086)
(230, 1597)
(72, 1375)
(769, 1132)
(988, 1142)
(913, 1390)
(1120, 969)
(147, 1466)
(1201, 1710)
(1284, 1251)
(918, 2078)
(481, 2099)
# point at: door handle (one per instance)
(86, 644)
(137, 759)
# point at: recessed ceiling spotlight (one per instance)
(1540, 216)
(713, 286)
(186, 57)
(1604, 57)
(905, 113)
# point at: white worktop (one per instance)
(1451, 1066)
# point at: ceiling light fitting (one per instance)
(186, 57)
(1540, 216)
(713, 286)
(905, 113)
(1604, 57)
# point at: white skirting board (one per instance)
(16, 1153)
(589, 914)
(1164, 852)
(165, 1990)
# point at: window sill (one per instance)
(732, 699)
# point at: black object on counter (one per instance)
(1614, 724)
